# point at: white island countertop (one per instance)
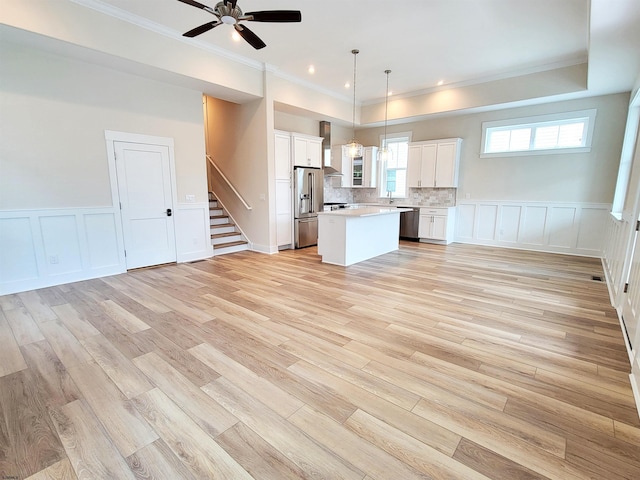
(350, 235)
(365, 211)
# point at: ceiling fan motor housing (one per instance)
(228, 14)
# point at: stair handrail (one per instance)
(233, 189)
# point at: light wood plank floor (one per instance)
(457, 362)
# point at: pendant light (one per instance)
(354, 147)
(384, 154)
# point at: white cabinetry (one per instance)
(436, 224)
(434, 163)
(370, 167)
(284, 212)
(359, 172)
(307, 151)
(342, 162)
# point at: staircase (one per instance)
(225, 236)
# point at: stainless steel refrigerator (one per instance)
(308, 184)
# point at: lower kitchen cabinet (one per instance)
(437, 225)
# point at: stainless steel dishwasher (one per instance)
(409, 222)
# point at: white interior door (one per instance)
(146, 201)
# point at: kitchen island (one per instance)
(351, 235)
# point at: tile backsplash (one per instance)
(428, 197)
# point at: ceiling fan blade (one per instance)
(251, 38)
(274, 16)
(194, 4)
(201, 29)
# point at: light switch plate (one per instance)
(190, 198)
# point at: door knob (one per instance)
(169, 213)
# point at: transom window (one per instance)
(570, 132)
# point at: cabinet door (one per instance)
(283, 156)
(300, 152)
(370, 167)
(347, 169)
(428, 165)
(284, 213)
(314, 153)
(414, 166)
(439, 228)
(424, 226)
(445, 174)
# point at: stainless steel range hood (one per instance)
(331, 166)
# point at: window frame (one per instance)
(382, 192)
(539, 121)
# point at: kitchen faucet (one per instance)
(389, 195)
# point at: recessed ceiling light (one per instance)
(311, 69)
(440, 83)
(389, 93)
(347, 85)
(236, 36)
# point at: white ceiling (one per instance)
(460, 42)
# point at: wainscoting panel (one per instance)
(534, 223)
(41, 248)
(18, 260)
(465, 215)
(577, 229)
(487, 221)
(193, 236)
(61, 246)
(562, 227)
(510, 223)
(101, 239)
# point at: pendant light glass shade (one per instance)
(385, 154)
(354, 147)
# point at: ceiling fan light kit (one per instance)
(228, 12)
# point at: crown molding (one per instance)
(569, 62)
(147, 24)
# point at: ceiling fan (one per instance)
(229, 13)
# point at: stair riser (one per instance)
(235, 248)
(213, 204)
(215, 230)
(215, 211)
(218, 221)
(230, 238)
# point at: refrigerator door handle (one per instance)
(311, 189)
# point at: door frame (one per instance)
(111, 137)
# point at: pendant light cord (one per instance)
(386, 105)
(353, 121)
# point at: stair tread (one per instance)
(230, 244)
(220, 225)
(227, 234)
(218, 216)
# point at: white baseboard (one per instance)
(268, 249)
(635, 387)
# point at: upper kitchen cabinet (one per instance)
(370, 167)
(307, 151)
(358, 172)
(434, 163)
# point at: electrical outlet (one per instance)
(53, 259)
(263, 197)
